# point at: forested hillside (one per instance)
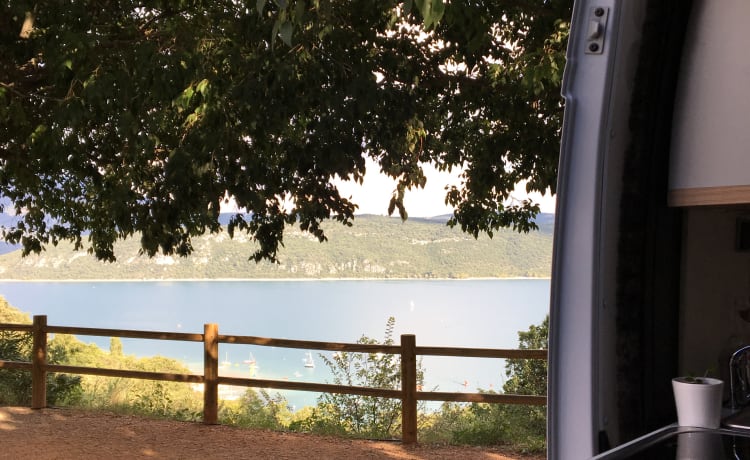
(374, 247)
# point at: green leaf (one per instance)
(38, 132)
(285, 32)
(432, 11)
(275, 32)
(299, 10)
(202, 87)
(183, 100)
(259, 5)
(438, 10)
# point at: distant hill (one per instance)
(374, 247)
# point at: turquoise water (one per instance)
(462, 313)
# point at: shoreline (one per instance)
(264, 280)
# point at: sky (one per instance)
(374, 194)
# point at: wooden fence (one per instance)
(408, 351)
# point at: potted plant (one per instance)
(698, 401)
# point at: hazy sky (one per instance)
(375, 193)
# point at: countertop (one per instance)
(682, 442)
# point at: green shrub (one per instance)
(362, 416)
(257, 409)
(15, 384)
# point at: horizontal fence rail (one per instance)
(407, 350)
(152, 335)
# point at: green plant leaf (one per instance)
(285, 33)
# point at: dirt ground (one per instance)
(71, 433)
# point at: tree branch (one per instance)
(28, 25)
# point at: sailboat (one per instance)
(309, 360)
(226, 362)
(252, 365)
(250, 361)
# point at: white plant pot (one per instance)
(698, 404)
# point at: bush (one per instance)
(362, 416)
(15, 384)
(522, 427)
(257, 409)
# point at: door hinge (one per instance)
(597, 26)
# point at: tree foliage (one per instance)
(257, 409)
(123, 119)
(529, 376)
(15, 385)
(523, 427)
(14, 346)
(151, 397)
(363, 415)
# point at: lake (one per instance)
(460, 313)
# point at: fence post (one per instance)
(409, 389)
(210, 374)
(39, 363)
